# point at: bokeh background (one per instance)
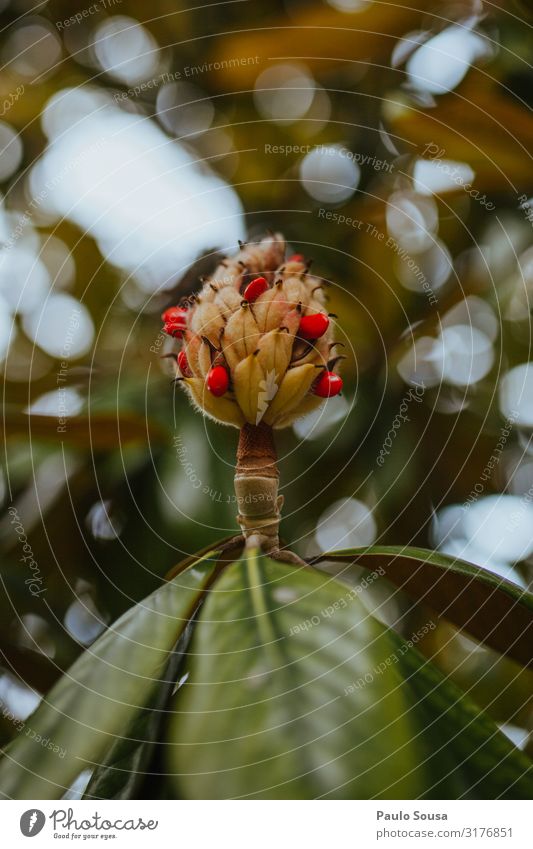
(391, 144)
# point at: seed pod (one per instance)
(254, 337)
(296, 291)
(228, 300)
(241, 335)
(204, 357)
(270, 308)
(294, 386)
(221, 409)
(247, 379)
(274, 353)
(207, 320)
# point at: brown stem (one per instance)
(256, 487)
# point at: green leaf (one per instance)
(490, 608)
(127, 764)
(93, 703)
(295, 691)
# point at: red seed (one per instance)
(175, 321)
(174, 329)
(313, 326)
(296, 258)
(255, 288)
(183, 364)
(217, 380)
(173, 313)
(327, 385)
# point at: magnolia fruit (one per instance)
(257, 339)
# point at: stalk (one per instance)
(256, 487)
